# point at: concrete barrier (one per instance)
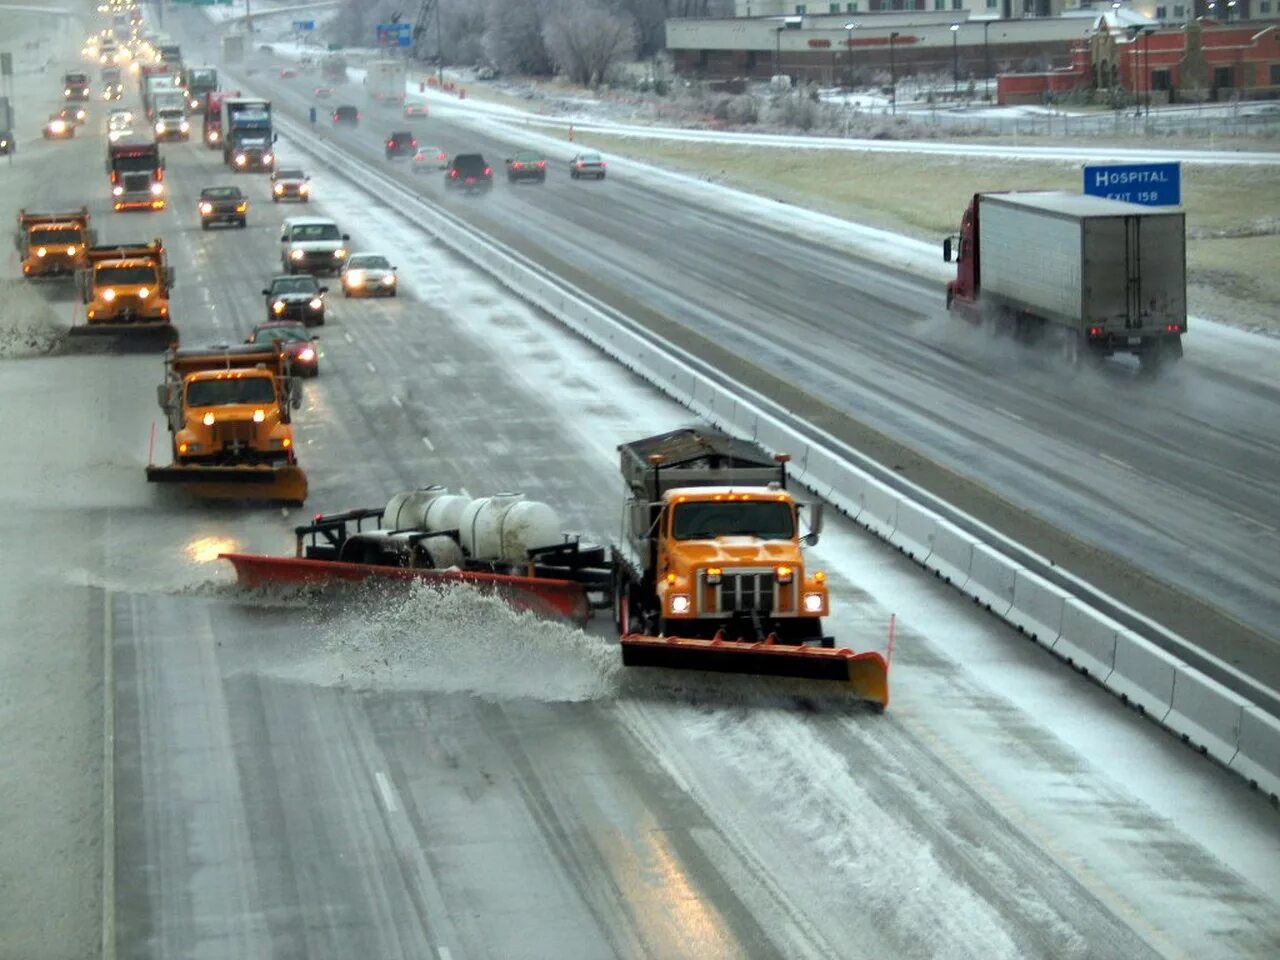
(1206, 714)
(915, 530)
(991, 577)
(1087, 640)
(1037, 607)
(1143, 674)
(1259, 758)
(879, 512)
(952, 554)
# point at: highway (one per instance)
(434, 775)
(1163, 494)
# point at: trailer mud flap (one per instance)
(865, 675)
(545, 597)
(286, 484)
(158, 336)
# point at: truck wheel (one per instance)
(621, 603)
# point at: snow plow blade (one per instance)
(287, 484)
(554, 599)
(865, 675)
(145, 336)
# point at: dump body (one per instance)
(246, 134)
(211, 129)
(125, 288)
(1111, 274)
(385, 79)
(228, 412)
(53, 243)
(136, 172)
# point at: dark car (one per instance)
(468, 171)
(297, 298)
(402, 143)
(527, 165)
(587, 165)
(222, 205)
(297, 342)
(346, 116)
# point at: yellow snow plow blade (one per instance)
(865, 675)
(143, 335)
(285, 484)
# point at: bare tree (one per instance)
(513, 36)
(586, 40)
(463, 25)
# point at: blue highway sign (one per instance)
(1152, 184)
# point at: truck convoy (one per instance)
(384, 81)
(75, 85)
(137, 175)
(125, 288)
(1098, 276)
(710, 573)
(228, 410)
(246, 132)
(211, 129)
(53, 243)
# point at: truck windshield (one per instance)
(202, 78)
(133, 164)
(766, 519)
(217, 393)
(124, 276)
(55, 236)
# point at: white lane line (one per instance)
(372, 368)
(384, 787)
(284, 511)
(429, 445)
(445, 952)
(347, 337)
(108, 778)
(1119, 463)
(396, 400)
(1008, 413)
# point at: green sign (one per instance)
(335, 46)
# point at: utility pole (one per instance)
(848, 52)
(955, 61)
(439, 49)
(893, 74)
(986, 61)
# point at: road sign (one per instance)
(1151, 184)
(393, 34)
(304, 26)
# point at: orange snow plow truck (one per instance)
(53, 243)
(229, 415)
(711, 572)
(125, 288)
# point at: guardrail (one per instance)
(1212, 707)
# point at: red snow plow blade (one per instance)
(556, 599)
(865, 675)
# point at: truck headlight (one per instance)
(278, 188)
(143, 293)
(783, 574)
(206, 208)
(297, 255)
(157, 189)
(679, 603)
(207, 419)
(159, 126)
(71, 250)
(339, 253)
(241, 159)
(184, 126)
(278, 307)
(813, 602)
(213, 136)
(41, 252)
(241, 207)
(117, 190)
(108, 295)
(267, 158)
(259, 416)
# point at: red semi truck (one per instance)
(211, 132)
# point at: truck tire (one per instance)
(621, 602)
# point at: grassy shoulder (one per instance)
(1232, 220)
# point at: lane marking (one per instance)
(346, 336)
(1112, 460)
(396, 400)
(384, 787)
(372, 368)
(1008, 413)
(108, 780)
(430, 446)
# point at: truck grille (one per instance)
(746, 591)
(233, 433)
(137, 182)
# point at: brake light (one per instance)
(391, 143)
(1096, 331)
(541, 164)
(413, 142)
(517, 165)
(579, 164)
(1173, 327)
(488, 171)
(602, 164)
(453, 173)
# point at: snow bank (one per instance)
(29, 324)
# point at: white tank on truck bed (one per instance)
(1085, 262)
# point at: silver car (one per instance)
(587, 165)
(368, 275)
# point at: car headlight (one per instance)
(241, 159)
(66, 92)
(117, 190)
(679, 603)
(57, 126)
(304, 189)
(355, 278)
(206, 208)
(41, 252)
(813, 602)
(241, 207)
(143, 293)
(316, 303)
(213, 136)
(297, 255)
(108, 295)
(159, 126)
(278, 307)
(340, 253)
(306, 354)
(113, 136)
(266, 158)
(157, 189)
(278, 188)
(184, 126)
(388, 280)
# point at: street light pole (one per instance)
(893, 75)
(848, 52)
(1147, 70)
(986, 61)
(777, 50)
(955, 61)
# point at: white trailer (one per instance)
(385, 79)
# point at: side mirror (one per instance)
(284, 239)
(266, 293)
(815, 511)
(169, 275)
(162, 395)
(275, 137)
(346, 236)
(946, 250)
(324, 289)
(394, 269)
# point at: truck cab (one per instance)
(136, 171)
(127, 284)
(75, 86)
(53, 243)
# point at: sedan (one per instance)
(368, 275)
(324, 93)
(58, 129)
(587, 165)
(296, 341)
(416, 111)
(527, 165)
(299, 299)
(430, 158)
